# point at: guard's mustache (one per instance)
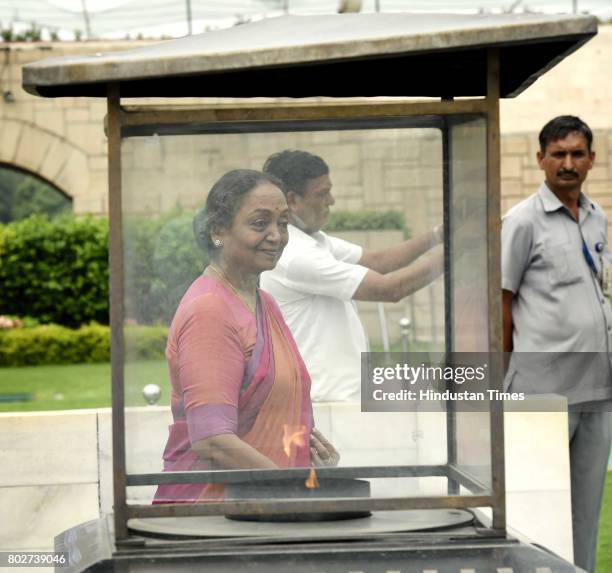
(565, 172)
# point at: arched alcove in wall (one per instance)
(23, 194)
(44, 155)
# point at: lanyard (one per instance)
(588, 258)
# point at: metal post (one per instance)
(86, 19)
(188, 6)
(449, 342)
(494, 288)
(404, 324)
(384, 332)
(115, 244)
(413, 318)
(433, 319)
(574, 6)
(447, 202)
(377, 5)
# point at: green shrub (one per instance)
(161, 260)
(56, 272)
(145, 342)
(365, 221)
(54, 344)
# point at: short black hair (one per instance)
(224, 200)
(560, 127)
(295, 168)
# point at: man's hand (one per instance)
(322, 453)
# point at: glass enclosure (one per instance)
(393, 179)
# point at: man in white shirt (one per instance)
(319, 277)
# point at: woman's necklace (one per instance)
(224, 278)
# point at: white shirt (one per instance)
(314, 283)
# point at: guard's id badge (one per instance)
(606, 277)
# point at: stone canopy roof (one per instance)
(411, 55)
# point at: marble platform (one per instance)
(57, 466)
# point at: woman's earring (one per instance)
(218, 243)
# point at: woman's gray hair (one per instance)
(224, 200)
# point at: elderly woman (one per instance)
(240, 390)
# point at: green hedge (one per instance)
(145, 342)
(365, 221)
(54, 344)
(57, 271)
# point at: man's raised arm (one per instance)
(384, 261)
(394, 286)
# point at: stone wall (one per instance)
(60, 140)
(382, 169)
(576, 86)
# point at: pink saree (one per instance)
(232, 372)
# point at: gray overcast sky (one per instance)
(154, 18)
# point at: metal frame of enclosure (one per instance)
(123, 119)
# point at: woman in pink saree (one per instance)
(240, 390)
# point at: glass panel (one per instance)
(388, 179)
(470, 315)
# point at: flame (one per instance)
(312, 480)
(293, 436)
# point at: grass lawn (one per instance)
(66, 387)
(604, 549)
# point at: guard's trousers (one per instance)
(590, 433)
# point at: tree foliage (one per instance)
(161, 260)
(23, 195)
(365, 221)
